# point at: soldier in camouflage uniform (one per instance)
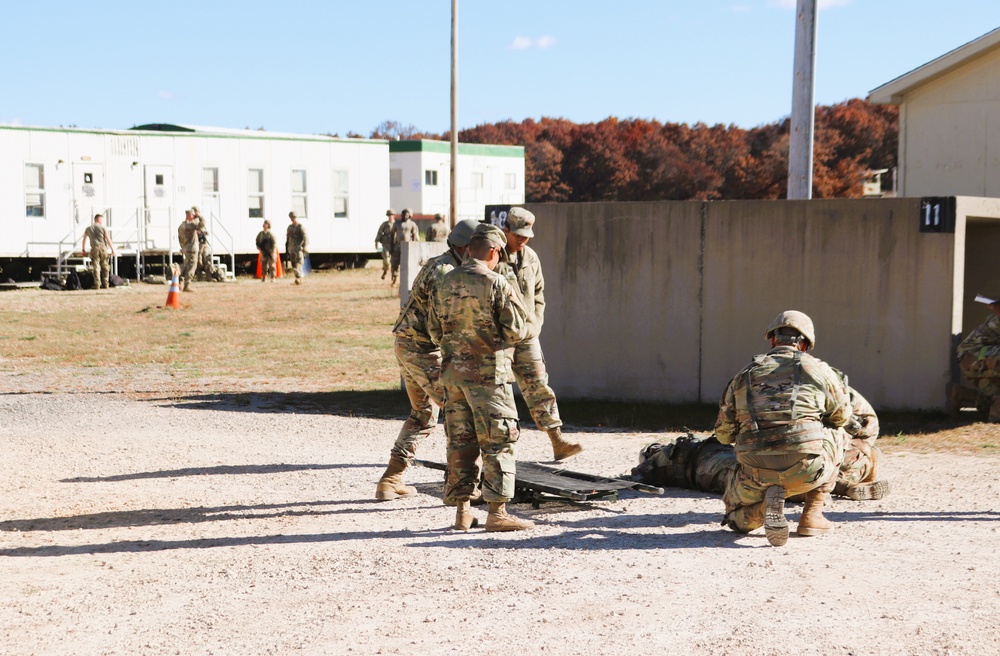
(979, 360)
(205, 265)
(785, 413)
(100, 244)
(476, 316)
(268, 248)
(437, 231)
(420, 364)
(699, 463)
(187, 234)
(403, 230)
(295, 246)
(383, 238)
(523, 271)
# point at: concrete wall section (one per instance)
(622, 298)
(878, 290)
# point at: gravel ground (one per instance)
(221, 525)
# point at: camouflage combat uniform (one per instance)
(475, 318)
(402, 231)
(979, 360)
(437, 231)
(419, 358)
(523, 271)
(295, 246)
(187, 234)
(267, 247)
(100, 258)
(705, 464)
(784, 412)
(384, 238)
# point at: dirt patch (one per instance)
(231, 522)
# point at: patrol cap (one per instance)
(490, 233)
(461, 234)
(520, 221)
(389, 213)
(194, 208)
(438, 216)
(406, 210)
(796, 320)
(293, 215)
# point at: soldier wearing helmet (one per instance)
(383, 241)
(420, 363)
(437, 231)
(785, 413)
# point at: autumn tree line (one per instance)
(638, 159)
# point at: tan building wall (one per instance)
(665, 301)
(949, 141)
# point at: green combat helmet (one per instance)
(461, 234)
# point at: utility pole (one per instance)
(453, 213)
(800, 145)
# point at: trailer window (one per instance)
(477, 180)
(210, 181)
(34, 190)
(341, 194)
(510, 180)
(395, 177)
(430, 178)
(300, 202)
(255, 193)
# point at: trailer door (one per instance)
(88, 192)
(160, 219)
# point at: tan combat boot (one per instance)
(812, 522)
(561, 447)
(464, 519)
(775, 524)
(499, 520)
(390, 486)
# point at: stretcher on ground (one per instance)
(535, 482)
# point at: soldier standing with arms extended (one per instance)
(295, 246)
(405, 229)
(100, 244)
(187, 234)
(523, 270)
(437, 231)
(267, 246)
(784, 412)
(419, 361)
(475, 316)
(383, 238)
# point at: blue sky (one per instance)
(336, 66)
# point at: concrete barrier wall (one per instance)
(665, 301)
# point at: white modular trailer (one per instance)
(420, 177)
(53, 181)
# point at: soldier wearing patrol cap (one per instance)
(785, 413)
(420, 364)
(523, 271)
(296, 245)
(476, 316)
(383, 238)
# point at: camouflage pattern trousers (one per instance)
(295, 262)
(816, 467)
(101, 261)
(205, 266)
(480, 420)
(533, 381)
(421, 372)
(190, 262)
(859, 461)
(982, 373)
(386, 256)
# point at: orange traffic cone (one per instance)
(174, 295)
(278, 271)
